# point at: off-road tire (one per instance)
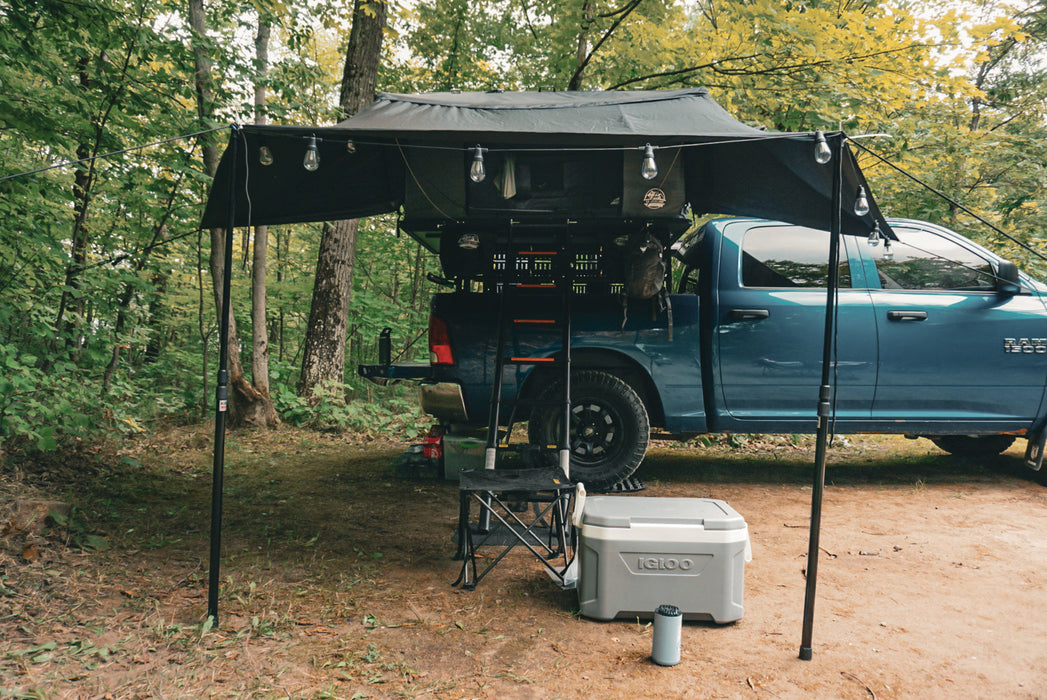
(609, 427)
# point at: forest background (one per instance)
(108, 296)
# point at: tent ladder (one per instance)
(544, 274)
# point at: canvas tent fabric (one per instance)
(366, 161)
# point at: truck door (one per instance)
(771, 322)
(954, 352)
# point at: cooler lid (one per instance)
(626, 511)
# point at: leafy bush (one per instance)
(389, 412)
(40, 406)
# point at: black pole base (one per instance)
(806, 653)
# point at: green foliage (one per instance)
(106, 309)
(396, 414)
(389, 291)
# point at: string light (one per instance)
(265, 156)
(861, 202)
(350, 146)
(476, 170)
(311, 161)
(875, 236)
(649, 169)
(822, 153)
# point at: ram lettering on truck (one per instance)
(936, 337)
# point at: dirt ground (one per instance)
(336, 580)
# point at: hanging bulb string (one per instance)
(100, 156)
(400, 146)
(396, 143)
(951, 201)
(358, 142)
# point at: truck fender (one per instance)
(623, 366)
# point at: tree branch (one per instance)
(788, 69)
(575, 80)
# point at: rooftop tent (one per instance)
(574, 154)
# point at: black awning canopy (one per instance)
(571, 154)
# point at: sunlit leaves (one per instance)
(961, 88)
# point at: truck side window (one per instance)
(788, 256)
(925, 260)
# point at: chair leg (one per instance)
(463, 525)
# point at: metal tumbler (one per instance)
(665, 643)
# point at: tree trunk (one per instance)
(259, 328)
(247, 406)
(361, 56)
(582, 54)
(323, 361)
(324, 353)
(83, 182)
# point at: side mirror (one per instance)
(1007, 281)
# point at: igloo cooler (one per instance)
(636, 553)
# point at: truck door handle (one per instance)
(906, 315)
(749, 314)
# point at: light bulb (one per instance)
(311, 162)
(861, 203)
(888, 254)
(476, 170)
(265, 156)
(350, 147)
(649, 169)
(875, 236)
(822, 153)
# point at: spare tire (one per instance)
(609, 427)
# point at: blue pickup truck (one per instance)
(936, 337)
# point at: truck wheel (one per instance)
(973, 445)
(609, 427)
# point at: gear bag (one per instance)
(644, 276)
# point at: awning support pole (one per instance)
(824, 404)
(222, 396)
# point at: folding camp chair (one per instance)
(517, 507)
